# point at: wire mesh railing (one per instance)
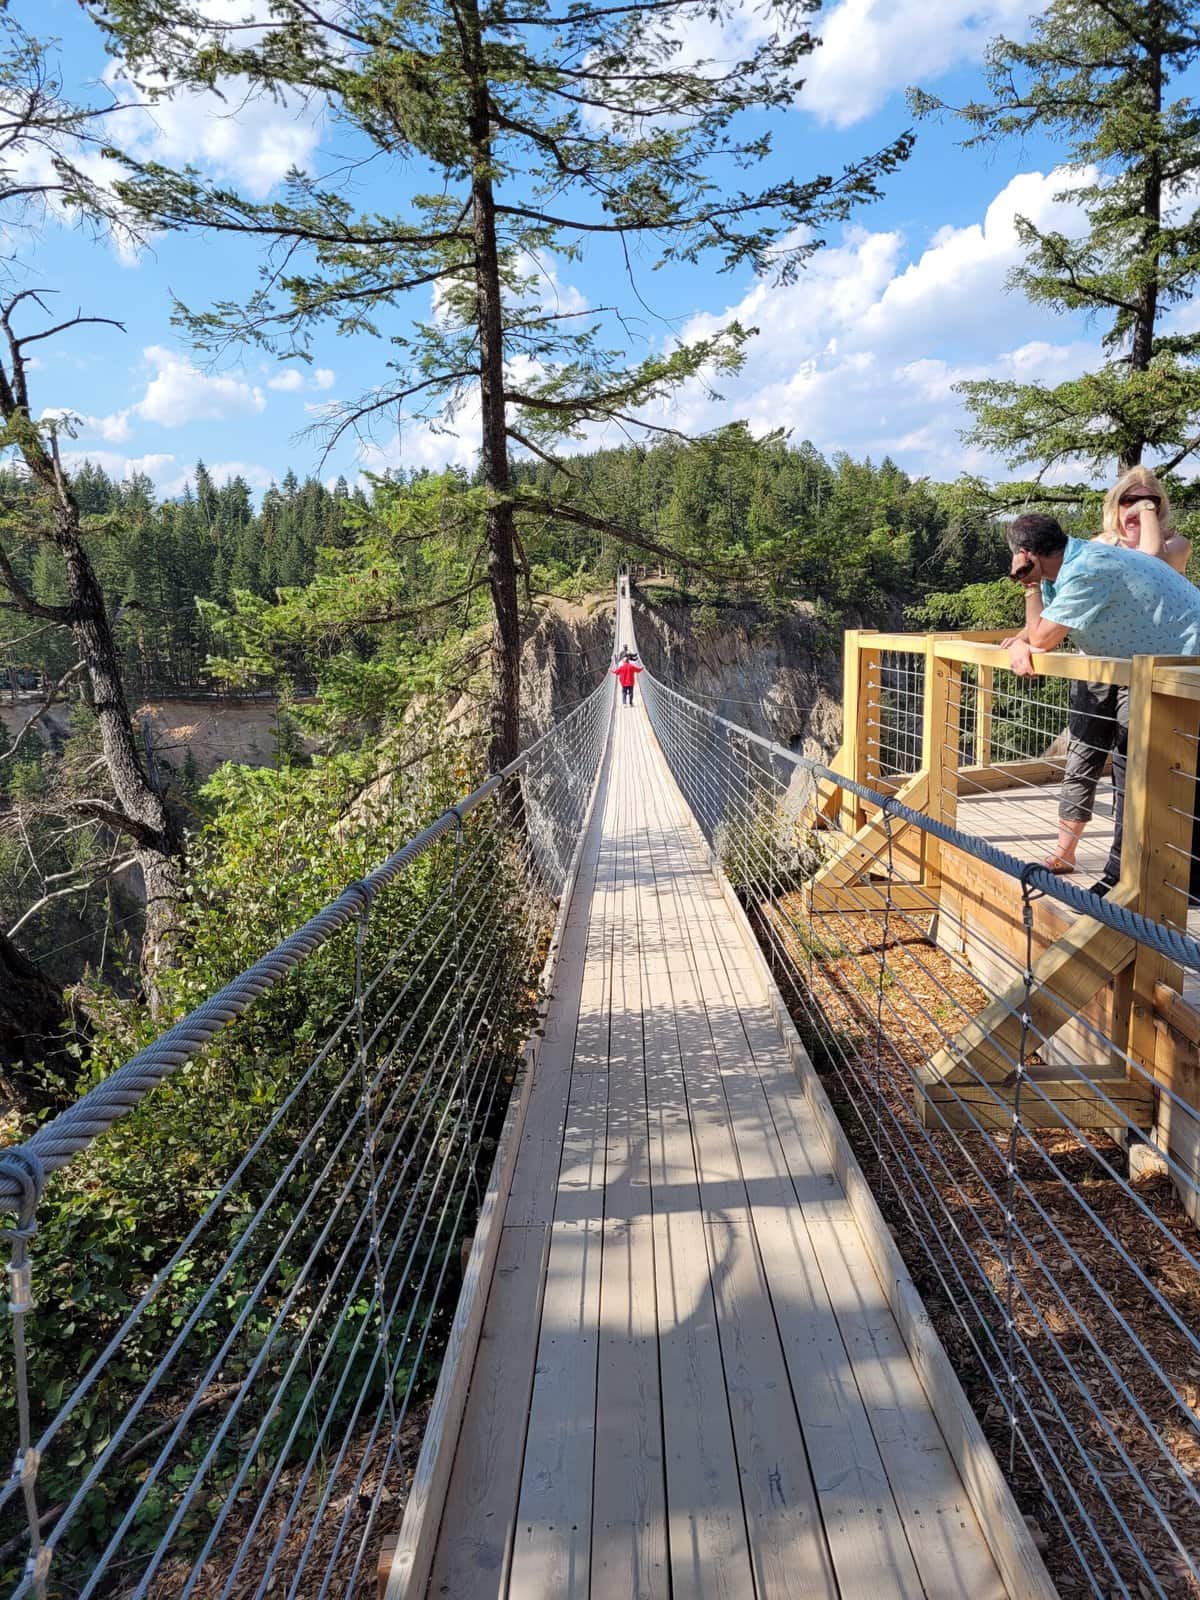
(227, 1403)
(896, 687)
(1064, 1282)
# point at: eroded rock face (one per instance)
(778, 676)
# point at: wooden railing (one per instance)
(939, 721)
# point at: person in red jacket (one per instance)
(625, 672)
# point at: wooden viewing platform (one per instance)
(702, 1369)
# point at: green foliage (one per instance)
(999, 604)
(1098, 73)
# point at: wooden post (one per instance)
(984, 696)
(940, 753)
(870, 723)
(1159, 800)
(854, 691)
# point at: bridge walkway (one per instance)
(689, 1381)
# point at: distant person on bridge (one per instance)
(1113, 601)
(626, 672)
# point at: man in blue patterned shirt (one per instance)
(1113, 602)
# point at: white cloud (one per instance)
(180, 393)
(290, 381)
(861, 353)
(247, 137)
(257, 477)
(161, 468)
(872, 48)
(293, 380)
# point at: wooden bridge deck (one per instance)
(689, 1381)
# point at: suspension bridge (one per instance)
(628, 1319)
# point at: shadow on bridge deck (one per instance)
(689, 1380)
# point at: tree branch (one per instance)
(36, 716)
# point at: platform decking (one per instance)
(689, 1381)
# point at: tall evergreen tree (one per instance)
(1100, 73)
(37, 122)
(541, 127)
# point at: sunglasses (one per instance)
(1136, 498)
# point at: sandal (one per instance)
(1059, 865)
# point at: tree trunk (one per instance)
(154, 832)
(1141, 350)
(34, 1022)
(501, 523)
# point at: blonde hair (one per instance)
(1135, 478)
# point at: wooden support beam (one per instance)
(865, 852)
(1008, 775)
(872, 896)
(1066, 978)
(1049, 664)
(984, 698)
(1077, 1103)
(1178, 1012)
(1160, 795)
(939, 744)
(854, 709)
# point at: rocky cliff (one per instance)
(779, 676)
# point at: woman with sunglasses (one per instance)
(1137, 514)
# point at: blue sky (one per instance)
(859, 354)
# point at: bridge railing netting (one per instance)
(240, 1417)
(1064, 1283)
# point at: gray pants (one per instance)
(1098, 724)
(1097, 727)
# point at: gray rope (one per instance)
(1169, 942)
(53, 1145)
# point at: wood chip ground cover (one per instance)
(1092, 1336)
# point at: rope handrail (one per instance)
(995, 1112)
(237, 1403)
(1170, 942)
(74, 1128)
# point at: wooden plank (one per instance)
(1180, 682)
(1173, 1008)
(942, 712)
(917, 1503)
(873, 896)
(866, 851)
(985, 699)
(1003, 775)
(551, 1542)
(1076, 1103)
(629, 1533)
(414, 1549)
(1048, 664)
(853, 710)
(1160, 797)
(996, 1514)
(787, 1543)
(709, 1554)
(861, 1523)
(1008, 1538)
(474, 1547)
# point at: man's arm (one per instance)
(1037, 634)
(1040, 634)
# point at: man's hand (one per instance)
(1020, 657)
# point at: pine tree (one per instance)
(1099, 74)
(541, 126)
